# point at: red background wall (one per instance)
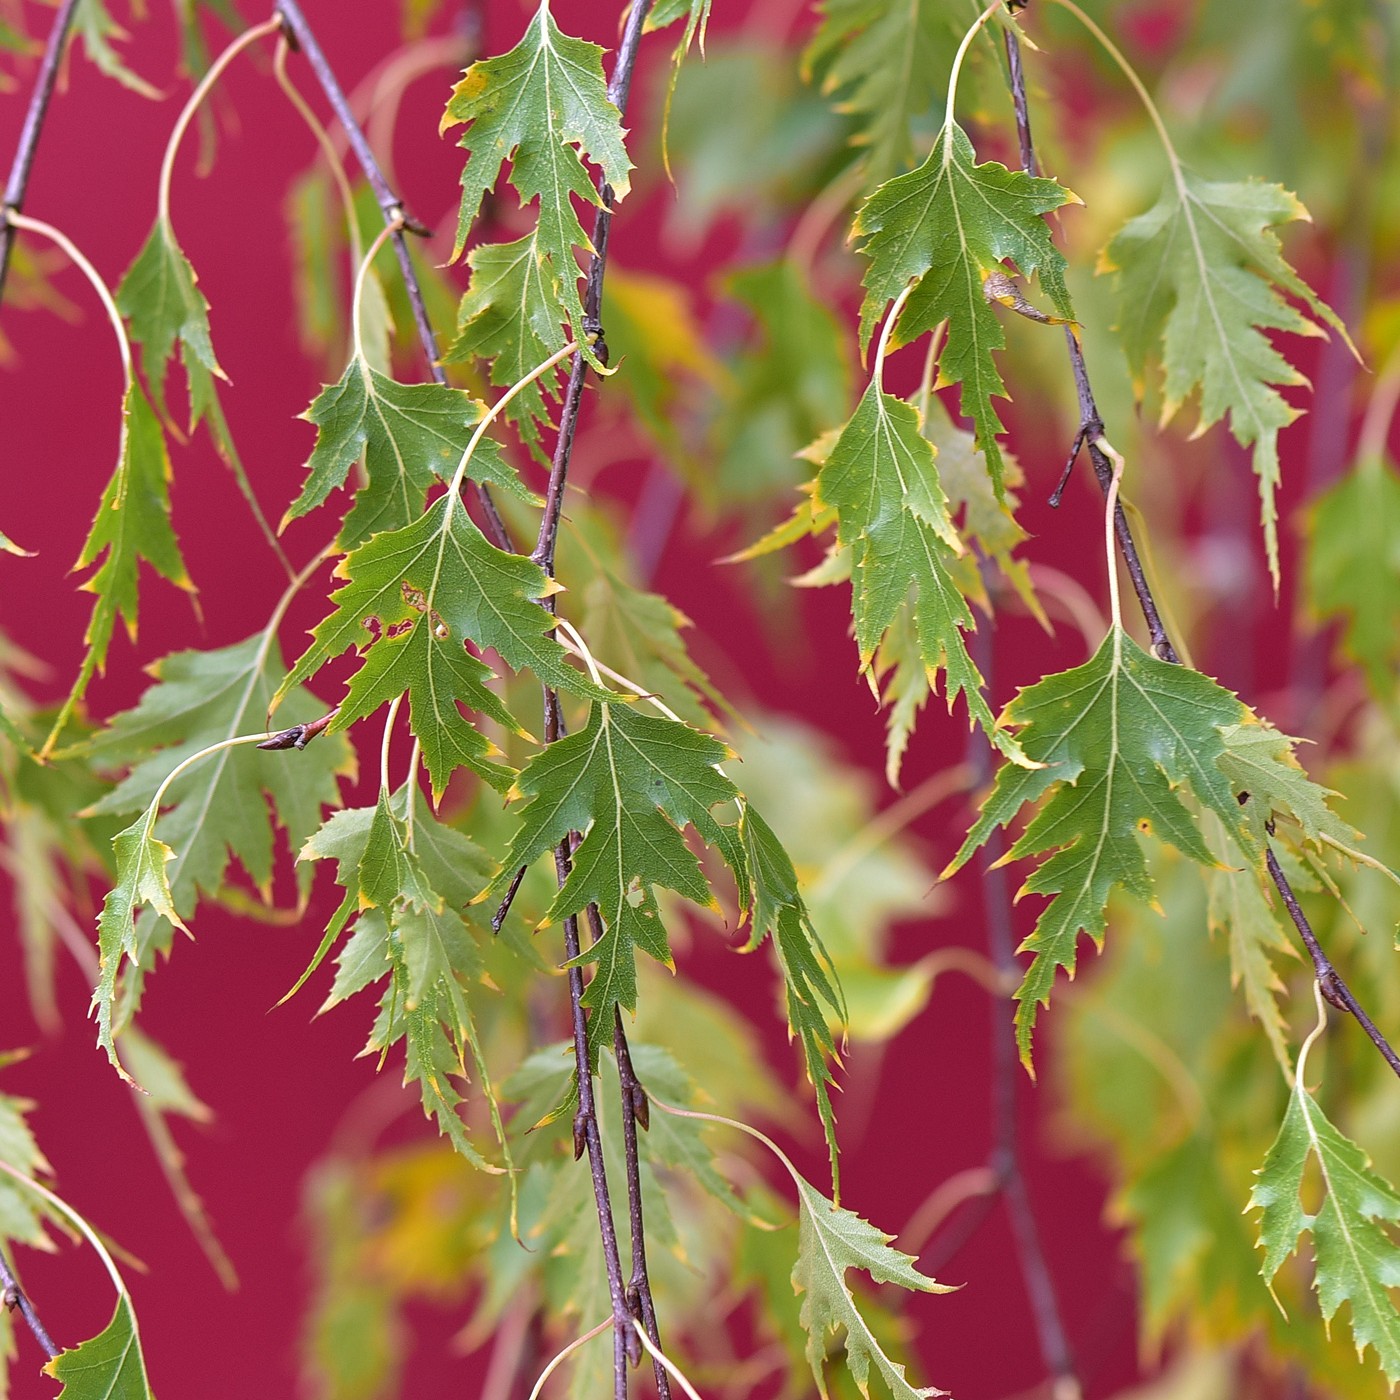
(280, 1082)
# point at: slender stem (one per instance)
(304, 37)
(1329, 981)
(245, 40)
(563, 1355)
(14, 219)
(15, 1298)
(357, 339)
(18, 183)
(635, 1110)
(327, 146)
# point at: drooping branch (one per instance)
(16, 1299)
(626, 1343)
(1332, 985)
(18, 183)
(302, 36)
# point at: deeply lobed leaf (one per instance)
(950, 224)
(543, 106)
(409, 436)
(1201, 278)
(1357, 1261)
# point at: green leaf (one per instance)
(542, 106)
(406, 884)
(892, 516)
(141, 880)
(1201, 279)
(832, 1241)
(132, 524)
(10, 547)
(1356, 1259)
(510, 316)
(227, 806)
(109, 1366)
(813, 991)
(430, 588)
(1259, 761)
(22, 1212)
(99, 33)
(161, 300)
(884, 62)
(1353, 568)
(950, 224)
(409, 436)
(1119, 737)
(630, 784)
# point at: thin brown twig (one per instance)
(636, 1111)
(16, 1299)
(18, 183)
(302, 37)
(1331, 983)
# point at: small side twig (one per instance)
(18, 183)
(16, 1299)
(303, 37)
(1333, 987)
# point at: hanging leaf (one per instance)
(832, 1241)
(430, 588)
(813, 991)
(141, 880)
(1356, 1259)
(510, 316)
(100, 33)
(544, 107)
(228, 805)
(132, 524)
(1119, 737)
(409, 436)
(109, 1366)
(406, 885)
(630, 784)
(1201, 281)
(1353, 568)
(884, 63)
(950, 224)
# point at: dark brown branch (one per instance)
(1333, 987)
(1328, 978)
(1090, 423)
(625, 1342)
(1005, 1159)
(18, 183)
(16, 1299)
(302, 37)
(636, 1111)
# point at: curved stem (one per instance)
(663, 1360)
(328, 150)
(386, 741)
(18, 183)
(1115, 604)
(1380, 414)
(877, 373)
(357, 300)
(976, 28)
(17, 220)
(1145, 97)
(153, 811)
(563, 1355)
(247, 39)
